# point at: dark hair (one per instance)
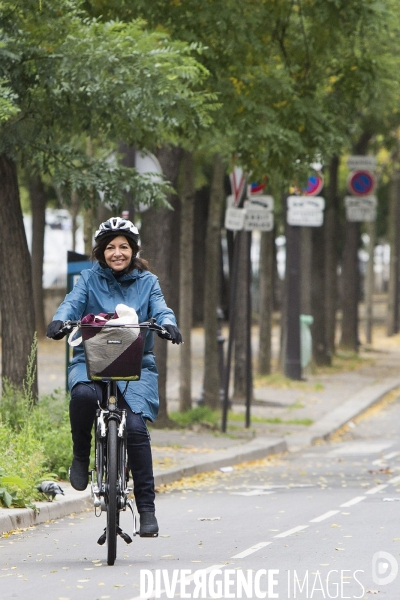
(136, 263)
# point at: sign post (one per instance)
(361, 207)
(243, 216)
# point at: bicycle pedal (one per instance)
(127, 538)
(102, 539)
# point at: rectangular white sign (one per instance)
(234, 218)
(362, 201)
(258, 219)
(356, 163)
(306, 203)
(301, 217)
(266, 202)
(361, 213)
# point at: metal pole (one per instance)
(293, 289)
(249, 373)
(232, 318)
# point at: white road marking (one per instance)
(377, 489)
(326, 515)
(354, 448)
(291, 531)
(395, 479)
(252, 493)
(251, 550)
(355, 500)
(188, 579)
(379, 461)
(391, 455)
(282, 487)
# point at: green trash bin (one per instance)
(305, 340)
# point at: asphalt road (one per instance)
(323, 523)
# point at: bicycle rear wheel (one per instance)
(112, 492)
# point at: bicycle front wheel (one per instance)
(112, 492)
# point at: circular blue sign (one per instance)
(361, 183)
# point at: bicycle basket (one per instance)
(113, 352)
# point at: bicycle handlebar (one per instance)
(152, 326)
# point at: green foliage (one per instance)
(34, 437)
(201, 414)
(68, 76)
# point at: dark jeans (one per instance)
(82, 412)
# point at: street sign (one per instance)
(298, 217)
(256, 187)
(361, 183)
(314, 185)
(364, 163)
(306, 202)
(361, 209)
(258, 218)
(234, 218)
(305, 211)
(237, 183)
(266, 202)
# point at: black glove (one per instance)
(176, 336)
(53, 330)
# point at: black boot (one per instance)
(148, 525)
(79, 474)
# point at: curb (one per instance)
(337, 418)
(74, 502)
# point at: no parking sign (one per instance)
(361, 183)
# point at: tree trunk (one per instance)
(350, 286)
(211, 292)
(266, 301)
(16, 306)
(186, 281)
(351, 271)
(156, 237)
(370, 283)
(88, 228)
(74, 211)
(38, 207)
(331, 226)
(199, 260)
(239, 390)
(394, 240)
(321, 352)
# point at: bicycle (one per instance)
(110, 476)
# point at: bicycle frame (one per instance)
(109, 485)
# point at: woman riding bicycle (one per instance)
(118, 276)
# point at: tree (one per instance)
(186, 280)
(112, 80)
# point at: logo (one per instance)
(384, 568)
(114, 342)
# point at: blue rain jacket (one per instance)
(96, 291)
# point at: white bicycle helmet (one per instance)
(118, 226)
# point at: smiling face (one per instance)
(118, 253)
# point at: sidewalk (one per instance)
(286, 417)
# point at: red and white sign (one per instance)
(361, 183)
(315, 184)
(237, 184)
